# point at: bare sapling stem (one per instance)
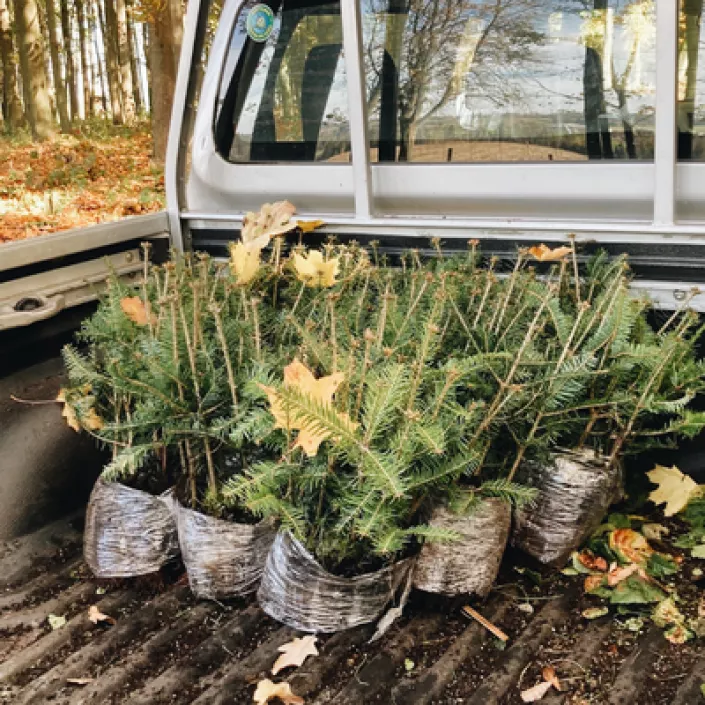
(145, 280)
(333, 335)
(369, 340)
(490, 280)
(495, 326)
(576, 270)
(255, 301)
(226, 353)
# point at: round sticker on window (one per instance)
(260, 23)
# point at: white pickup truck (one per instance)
(507, 121)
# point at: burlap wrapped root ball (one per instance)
(575, 490)
(128, 532)
(297, 591)
(470, 564)
(222, 558)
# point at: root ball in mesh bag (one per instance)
(574, 492)
(297, 591)
(470, 564)
(128, 532)
(222, 558)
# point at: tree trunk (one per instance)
(83, 49)
(110, 34)
(125, 59)
(164, 47)
(59, 86)
(100, 69)
(689, 45)
(10, 97)
(68, 54)
(134, 60)
(29, 39)
(597, 135)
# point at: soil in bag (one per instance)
(128, 532)
(297, 591)
(222, 558)
(575, 491)
(470, 564)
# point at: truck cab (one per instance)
(512, 123)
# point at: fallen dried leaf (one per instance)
(68, 412)
(535, 693)
(674, 490)
(549, 675)
(133, 307)
(630, 546)
(95, 615)
(56, 621)
(595, 612)
(308, 226)
(543, 253)
(616, 575)
(678, 634)
(297, 376)
(295, 653)
(79, 681)
(593, 582)
(654, 532)
(314, 270)
(592, 562)
(266, 690)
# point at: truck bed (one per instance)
(167, 647)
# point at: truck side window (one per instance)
(285, 99)
(510, 80)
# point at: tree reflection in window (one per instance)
(510, 80)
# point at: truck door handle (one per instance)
(30, 310)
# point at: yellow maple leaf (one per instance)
(90, 420)
(68, 412)
(295, 652)
(315, 271)
(543, 253)
(674, 490)
(308, 226)
(133, 307)
(266, 690)
(298, 376)
(244, 262)
(271, 220)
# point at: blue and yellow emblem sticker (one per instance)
(260, 23)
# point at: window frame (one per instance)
(314, 187)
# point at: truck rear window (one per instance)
(447, 81)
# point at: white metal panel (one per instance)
(47, 247)
(357, 107)
(665, 130)
(601, 190)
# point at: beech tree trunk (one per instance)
(164, 47)
(125, 60)
(59, 87)
(12, 107)
(83, 49)
(134, 60)
(68, 54)
(100, 70)
(110, 37)
(34, 74)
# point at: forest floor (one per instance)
(98, 173)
